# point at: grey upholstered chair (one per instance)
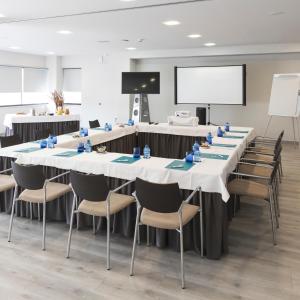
(259, 187)
(94, 124)
(161, 206)
(7, 182)
(37, 189)
(97, 201)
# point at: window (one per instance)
(19, 86)
(35, 86)
(10, 85)
(72, 85)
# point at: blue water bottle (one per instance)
(136, 152)
(88, 146)
(81, 132)
(209, 138)
(196, 146)
(147, 152)
(80, 147)
(106, 127)
(227, 127)
(50, 143)
(220, 132)
(197, 156)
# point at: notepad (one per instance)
(214, 156)
(28, 150)
(68, 154)
(125, 160)
(224, 145)
(233, 137)
(180, 165)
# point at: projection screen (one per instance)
(211, 85)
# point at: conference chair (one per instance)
(7, 182)
(257, 187)
(94, 124)
(7, 141)
(36, 189)
(161, 206)
(97, 201)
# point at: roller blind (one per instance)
(35, 80)
(10, 79)
(72, 80)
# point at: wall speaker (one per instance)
(201, 114)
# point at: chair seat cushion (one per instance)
(168, 220)
(264, 150)
(259, 157)
(98, 208)
(7, 182)
(54, 190)
(244, 187)
(256, 170)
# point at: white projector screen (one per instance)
(210, 85)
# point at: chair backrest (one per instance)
(42, 134)
(29, 176)
(274, 171)
(89, 187)
(6, 141)
(162, 198)
(94, 124)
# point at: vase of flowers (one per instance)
(58, 100)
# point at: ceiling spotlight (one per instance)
(171, 23)
(64, 32)
(2, 16)
(127, 0)
(194, 36)
(15, 47)
(276, 13)
(131, 48)
(210, 44)
(50, 53)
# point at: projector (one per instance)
(183, 114)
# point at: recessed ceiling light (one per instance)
(276, 13)
(171, 23)
(127, 0)
(2, 16)
(64, 32)
(210, 44)
(194, 36)
(131, 48)
(15, 47)
(50, 53)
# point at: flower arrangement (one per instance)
(58, 99)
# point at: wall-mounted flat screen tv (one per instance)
(140, 83)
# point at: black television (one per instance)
(140, 83)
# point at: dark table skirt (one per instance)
(168, 145)
(28, 131)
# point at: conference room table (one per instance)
(27, 126)
(211, 174)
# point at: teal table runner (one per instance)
(214, 156)
(125, 160)
(67, 154)
(239, 131)
(28, 150)
(180, 165)
(224, 145)
(232, 137)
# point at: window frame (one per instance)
(71, 68)
(22, 86)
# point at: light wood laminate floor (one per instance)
(254, 269)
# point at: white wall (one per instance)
(24, 60)
(260, 69)
(101, 86)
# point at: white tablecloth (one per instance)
(211, 174)
(9, 119)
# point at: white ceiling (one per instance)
(225, 22)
